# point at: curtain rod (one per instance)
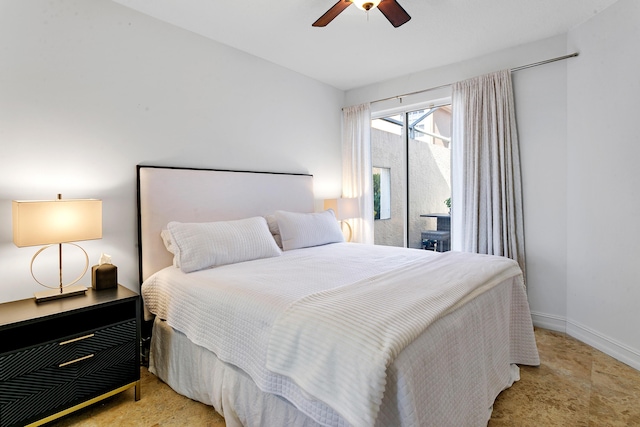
(522, 67)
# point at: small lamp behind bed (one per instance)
(345, 208)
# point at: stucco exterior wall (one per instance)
(429, 183)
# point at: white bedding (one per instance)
(369, 323)
(233, 318)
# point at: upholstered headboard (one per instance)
(203, 195)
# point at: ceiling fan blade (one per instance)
(394, 12)
(332, 13)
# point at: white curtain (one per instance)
(357, 179)
(487, 201)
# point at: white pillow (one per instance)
(168, 243)
(272, 222)
(302, 230)
(209, 244)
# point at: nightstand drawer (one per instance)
(108, 369)
(53, 388)
(94, 342)
(20, 363)
(66, 351)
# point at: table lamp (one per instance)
(344, 209)
(55, 222)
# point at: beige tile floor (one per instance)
(575, 385)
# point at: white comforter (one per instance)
(233, 315)
(355, 331)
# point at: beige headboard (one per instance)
(202, 195)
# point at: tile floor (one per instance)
(575, 385)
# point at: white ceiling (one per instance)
(354, 50)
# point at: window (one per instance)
(382, 193)
(413, 148)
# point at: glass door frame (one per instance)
(404, 110)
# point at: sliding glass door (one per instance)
(388, 157)
(411, 155)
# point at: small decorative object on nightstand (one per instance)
(104, 275)
(67, 354)
(55, 222)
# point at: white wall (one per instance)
(541, 113)
(603, 235)
(89, 89)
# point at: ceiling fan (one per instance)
(389, 8)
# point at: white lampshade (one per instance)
(366, 4)
(344, 208)
(45, 222)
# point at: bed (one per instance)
(280, 322)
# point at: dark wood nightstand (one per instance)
(59, 356)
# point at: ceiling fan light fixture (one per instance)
(366, 4)
(391, 10)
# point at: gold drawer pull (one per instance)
(77, 339)
(79, 359)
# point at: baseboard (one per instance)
(607, 345)
(549, 321)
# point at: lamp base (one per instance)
(348, 239)
(52, 294)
